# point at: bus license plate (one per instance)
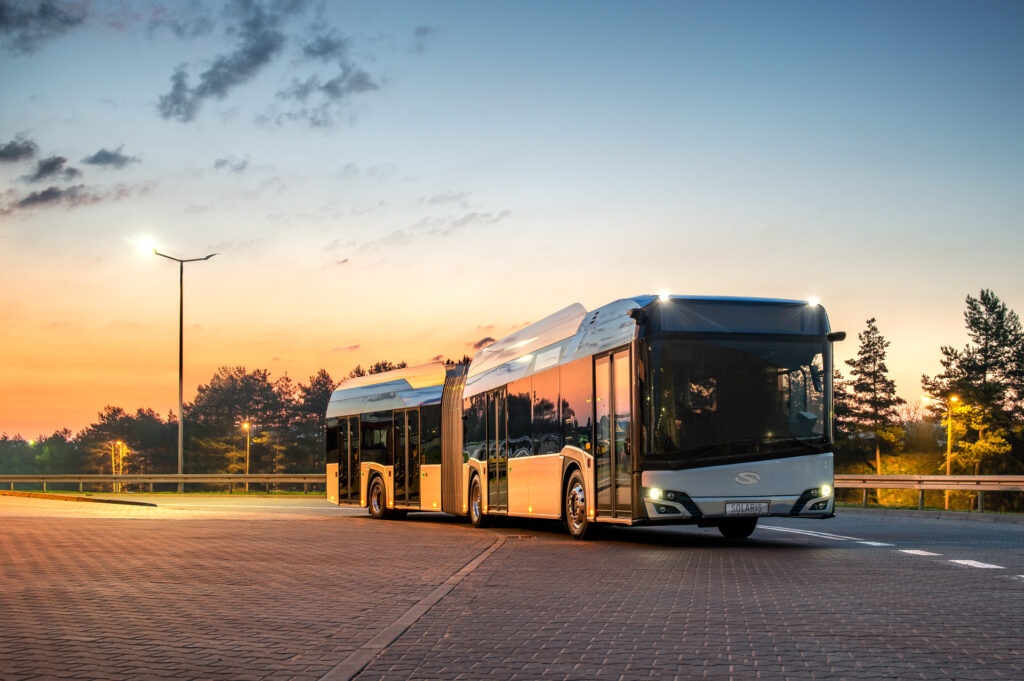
(746, 508)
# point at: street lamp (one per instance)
(246, 427)
(181, 336)
(949, 433)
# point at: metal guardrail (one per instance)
(230, 479)
(976, 483)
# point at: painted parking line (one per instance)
(919, 552)
(978, 564)
(810, 533)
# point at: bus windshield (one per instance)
(723, 398)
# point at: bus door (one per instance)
(342, 455)
(497, 453)
(407, 458)
(612, 452)
(353, 460)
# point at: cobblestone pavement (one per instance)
(233, 593)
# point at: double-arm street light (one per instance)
(949, 433)
(181, 337)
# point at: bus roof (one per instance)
(397, 389)
(572, 333)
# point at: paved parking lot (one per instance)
(293, 588)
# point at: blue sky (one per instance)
(480, 165)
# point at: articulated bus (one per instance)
(648, 410)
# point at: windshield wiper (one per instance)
(818, 448)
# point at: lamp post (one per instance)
(246, 427)
(181, 354)
(949, 434)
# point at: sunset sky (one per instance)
(398, 180)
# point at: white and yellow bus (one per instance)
(648, 410)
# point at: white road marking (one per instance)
(810, 533)
(977, 564)
(919, 552)
(875, 543)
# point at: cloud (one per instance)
(437, 358)
(420, 36)
(52, 167)
(446, 197)
(232, 164)
(259, 41)
(185, 20)
(112, 159)
(77, 195)
(343, 261)
(17, 149)
(482, 343)
(69, 197)
(445, 226)
(26, 25)
(349, 348)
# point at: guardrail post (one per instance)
(981, 501)
(44, 485)
(305, 488)
(864, 499)
(920, 500)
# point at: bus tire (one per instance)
(738, 528)
(378, 499)
(476, 504)
(575, 507)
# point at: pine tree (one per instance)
(987, 376)
(874, 407)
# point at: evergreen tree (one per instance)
(874, 407)
(987, 376)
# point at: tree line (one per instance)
(978, 398)
(285, 430)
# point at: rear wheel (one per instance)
(575, 507)
(476, 504)
(739, 528)
(378, 499)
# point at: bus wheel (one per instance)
(740, 528)
(378, 501)
(576, 507)
(476, 504)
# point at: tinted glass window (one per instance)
(577, 394)
(331, 441)
(716, 399)
(375, 436)
(431, 433)
(474, 439)
(547, 435)
(520, 442)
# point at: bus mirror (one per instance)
(837, 336)
(638, 314)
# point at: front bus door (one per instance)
(613, 455)
(497, 453)
(353, 460)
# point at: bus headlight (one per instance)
(654, 493)
(826, 490)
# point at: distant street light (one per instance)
(949, 433)
(181, 339)
(246, 427)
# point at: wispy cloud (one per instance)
(183, 19)
(420, 37)
(348, 348)
(235, 165)
(18, 149)
(259, 40)
(26, 25)
(447, 225)
(50, 168)
(110, 159)
(68, 197)
(482, 343)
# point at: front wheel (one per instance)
(576, 507)
(378, 499)
(740, 528)
(476, 504)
